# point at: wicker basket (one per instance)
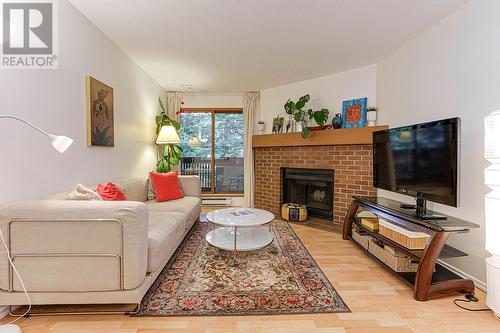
(398, 264)
(361, 239)
(293, 212)
(409, 239)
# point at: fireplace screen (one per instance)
(310, 187)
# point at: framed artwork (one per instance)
(100, 113)
(278, 124)
(354, 113)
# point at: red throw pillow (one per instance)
(111, 192)
(166, 186)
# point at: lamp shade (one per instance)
(60, 142)
(492, 180)
(168, 135)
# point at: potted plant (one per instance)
(171, 153)
(295, 109)
(371, 116)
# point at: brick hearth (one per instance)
(352, 165)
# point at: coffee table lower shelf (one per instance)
(247, 239)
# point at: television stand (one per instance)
(407, 206)
(431, 279)
(432, 217)
(421, 210)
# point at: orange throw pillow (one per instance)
(166, 186)
(111, 192)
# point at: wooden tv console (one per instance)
(431, 278)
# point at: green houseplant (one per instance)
(171, 153)
(295, 109)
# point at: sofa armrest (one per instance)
(191, 185)
(108, 240)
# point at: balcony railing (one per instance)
(193, 166)
(228, 173)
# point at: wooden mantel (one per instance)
(341, 136)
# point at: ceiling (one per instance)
(241, 45)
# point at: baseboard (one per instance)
(4, 311)
(478, 283)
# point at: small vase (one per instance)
(261, 127)
(371, 118)
(337, 121)
(299, 126)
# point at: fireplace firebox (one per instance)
(310, 187)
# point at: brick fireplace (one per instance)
(351, 165)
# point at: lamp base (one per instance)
(10, 329)
(493, 284)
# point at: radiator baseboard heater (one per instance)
(216, 201)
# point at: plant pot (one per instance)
(371, 118)
(320, 128)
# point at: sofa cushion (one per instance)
(165, 232)
(111, 192)
(191, 206)
(82, 192)
(166, 186)
(57, 196)
(135, 188)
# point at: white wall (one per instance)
(453, 69)
(55, 100)
(326, 92)
(212, 100)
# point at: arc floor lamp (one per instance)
(60, 143)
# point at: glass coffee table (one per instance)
(240, 229)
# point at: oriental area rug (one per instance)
(281, 278)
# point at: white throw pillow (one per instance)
(82, 192)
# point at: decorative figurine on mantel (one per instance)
(337, 121)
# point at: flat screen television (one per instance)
(419, 160)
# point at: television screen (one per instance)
(419, 160)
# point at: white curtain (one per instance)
(251, 104)
(174, 99)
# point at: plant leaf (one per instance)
(176, 124)
(297, 116)
(158, 119)
(305, 132)
(320, 117)
(290, 107)
(302, 101)
(162, 106)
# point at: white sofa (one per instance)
(93, 252)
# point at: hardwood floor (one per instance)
(378, 301)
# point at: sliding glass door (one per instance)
(212, 140)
